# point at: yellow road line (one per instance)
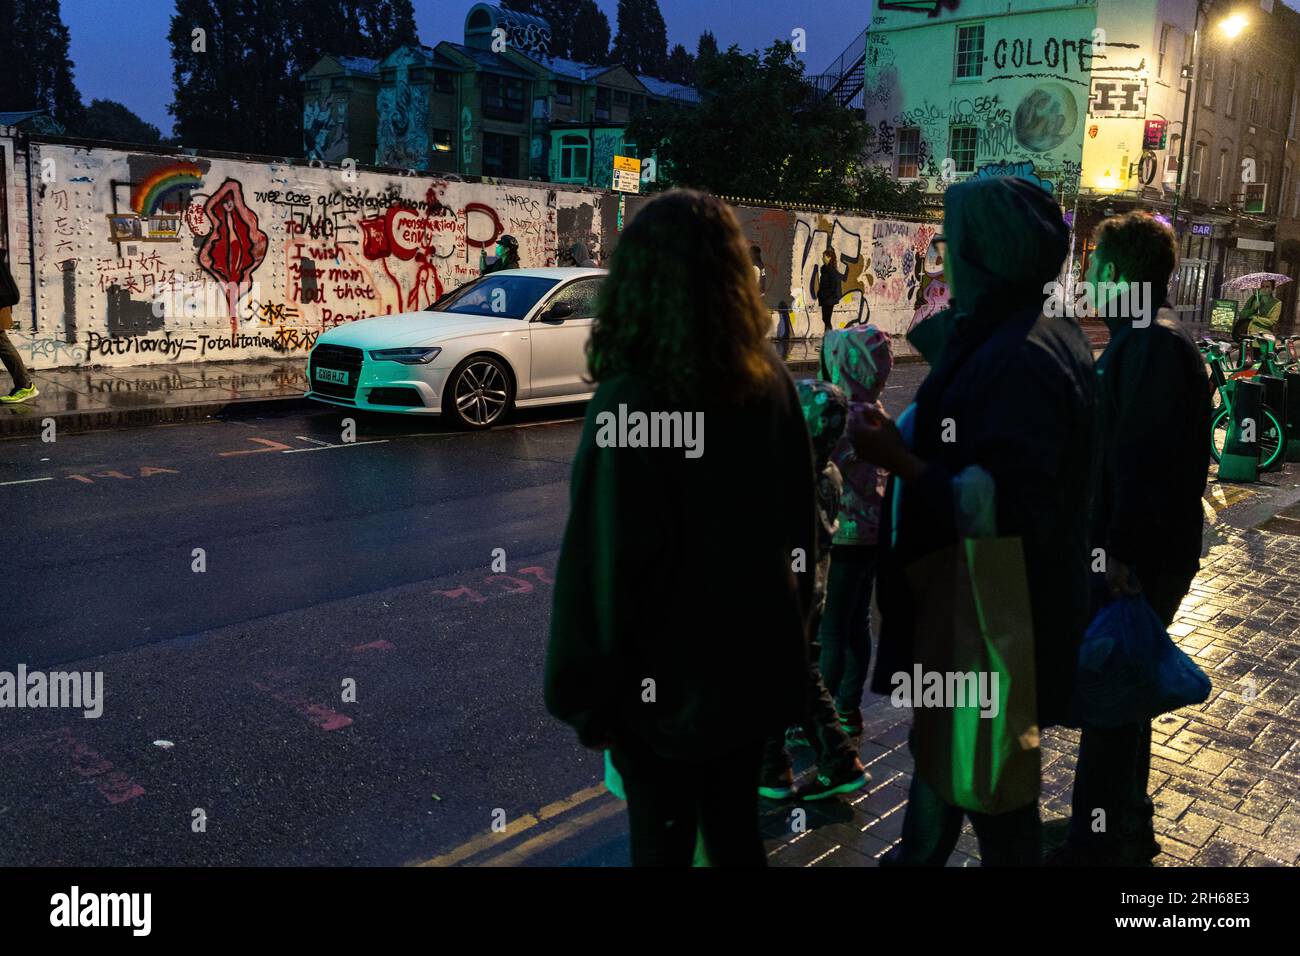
(525, 822)
(555, 836)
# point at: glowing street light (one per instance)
(1233, 25)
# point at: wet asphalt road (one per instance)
(328, 566)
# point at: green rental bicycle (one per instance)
(1271, 438)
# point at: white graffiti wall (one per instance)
(892, 277)
(145, 258)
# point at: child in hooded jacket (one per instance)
(858, 359)
(839, 769)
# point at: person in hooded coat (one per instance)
(1013, 391)
(581, 257)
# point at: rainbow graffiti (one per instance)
(147, 195)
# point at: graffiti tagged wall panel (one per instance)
(893, 278)
(147, 258)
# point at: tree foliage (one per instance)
(37, 72)
(237, 85)
(111, 120)
(762, 132)
(641, 44)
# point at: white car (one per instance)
(510, 339)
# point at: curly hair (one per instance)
(681, 305)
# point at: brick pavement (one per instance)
(1225, 775)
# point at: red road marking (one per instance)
(379, 645)
(113, 785)
(318, 714)
(270, 446)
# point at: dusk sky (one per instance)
(120, 51)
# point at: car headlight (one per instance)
(415, 356)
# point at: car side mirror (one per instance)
(558, 312)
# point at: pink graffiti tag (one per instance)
(235, 247)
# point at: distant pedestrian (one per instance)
(24, 389)
(1000, 435)
(680, 624)
(858, 359)
(1154, 416)
(839, 770)
(581, 256)
(507, 251)
(1263, 311)
(830, 287)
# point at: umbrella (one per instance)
(1254, 280)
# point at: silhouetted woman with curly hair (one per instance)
(682, 596)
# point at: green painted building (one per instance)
(497, 105)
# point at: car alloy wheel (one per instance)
(480, 392)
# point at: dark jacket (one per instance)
(1154, 420)
(1019, 390)
(679, 570)
(830, 284)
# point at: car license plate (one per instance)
(337, 376)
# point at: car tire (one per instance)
(480, 393)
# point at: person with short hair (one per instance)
(1154, 453)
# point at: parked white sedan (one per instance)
(511, 339)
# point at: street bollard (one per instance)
(1292, 410)
(1275, 398)
(1240, 460)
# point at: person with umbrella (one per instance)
(1263, 310)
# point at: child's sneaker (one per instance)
(850, 777)
(850, 721)
(776, 785)
(795, 737)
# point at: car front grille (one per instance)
(340, 358)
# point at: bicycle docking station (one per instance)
(1240, 460)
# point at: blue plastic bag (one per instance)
(1130, 670)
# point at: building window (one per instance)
(1166, 31)
(1282, 188)
(970, 52)
(620, 97)
(1295, 203)
(1198, 165)
(908, 153)
(1221, 176)
(1256, 84)
(1230, 104)
(312, 86)
(1290, 124)
(500, 155)
(564, 93)
(574, 156)
(444, 81)
(440, 140)
(1208, 68)
(636, 106)
(602, 103)
(338, 85)
(503, 96)
(1266, 177)
(961, 147)
(1186, 64)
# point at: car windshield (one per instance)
(502, 295)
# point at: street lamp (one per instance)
(1231, 27)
